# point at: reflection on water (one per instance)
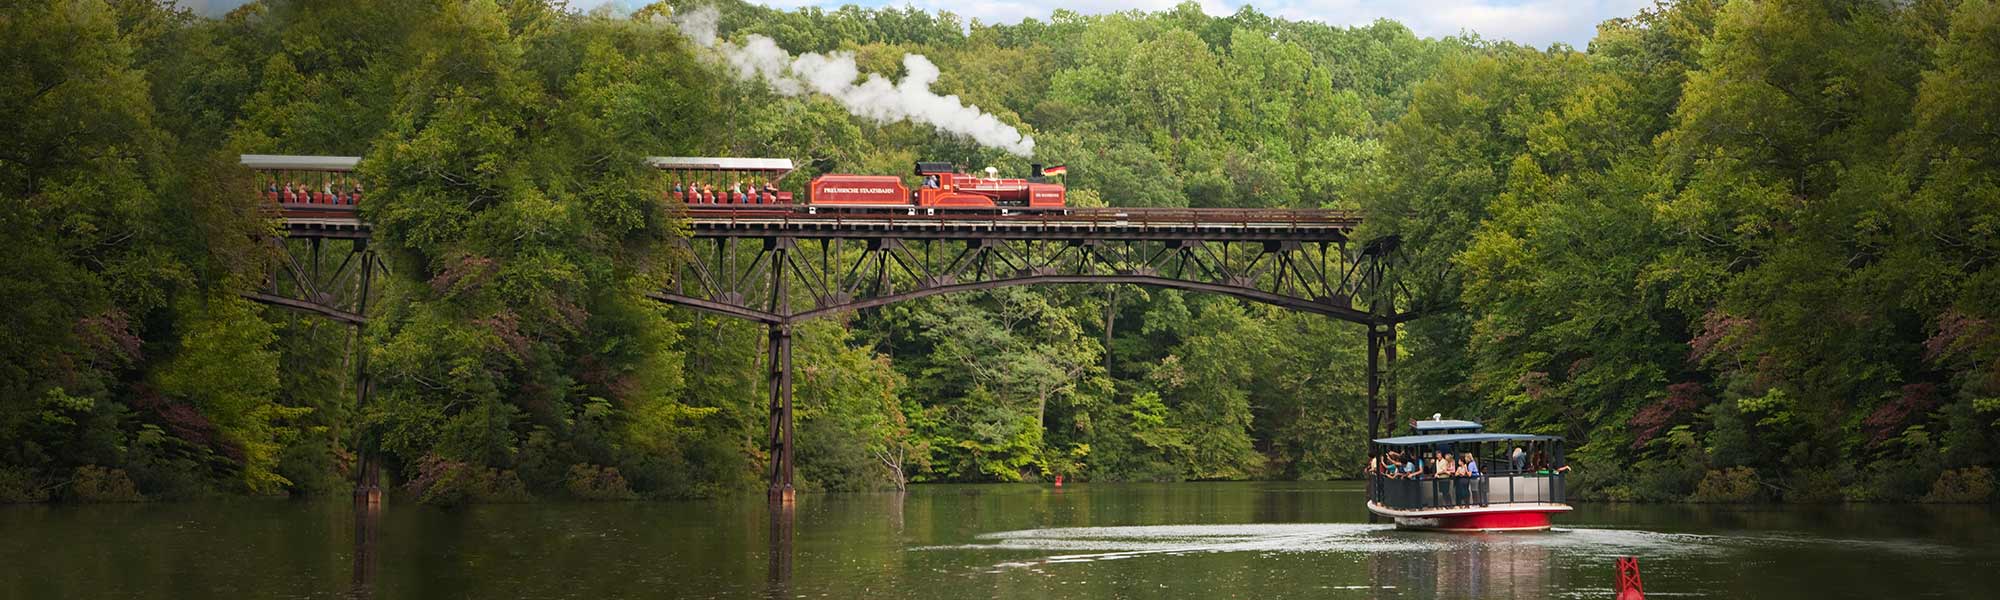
(1420, 564)
(783, 520)
(1088, 541)
(367, 524)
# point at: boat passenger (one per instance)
(1541, 465)
(1445, 471)
(1468, 470)
(1519, 458)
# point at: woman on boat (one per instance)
(1468, 471)
(1445, 471)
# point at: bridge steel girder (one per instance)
(783, 274)
(733, 275)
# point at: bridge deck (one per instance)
(1109, 224)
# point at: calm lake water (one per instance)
(1191, 540)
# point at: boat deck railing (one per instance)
(1465, 492)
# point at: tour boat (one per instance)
(1519, 485)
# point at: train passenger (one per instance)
(930, 182)
(679, 193)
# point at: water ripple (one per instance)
(1088, 544)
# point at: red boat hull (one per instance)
(1533, 517)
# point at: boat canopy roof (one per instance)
(1447, 424)
(1422, 440)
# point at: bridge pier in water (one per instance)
(782, 492)
(1381, 373)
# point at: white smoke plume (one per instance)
(834, 75)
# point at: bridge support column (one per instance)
(782, 492)
(367, 474)
(781, 415)
(1381, 385)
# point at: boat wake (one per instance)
(1091, 544)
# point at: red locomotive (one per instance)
(707, 182)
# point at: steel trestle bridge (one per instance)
(783, 264)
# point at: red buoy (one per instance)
(1629, 586)
(1058, 480)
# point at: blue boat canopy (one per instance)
(1447, 425)
(1421, 440)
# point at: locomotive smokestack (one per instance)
(1034, 169)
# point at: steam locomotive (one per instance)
(942, 187)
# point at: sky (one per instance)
(1533, 22)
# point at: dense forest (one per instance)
(1734, 250)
